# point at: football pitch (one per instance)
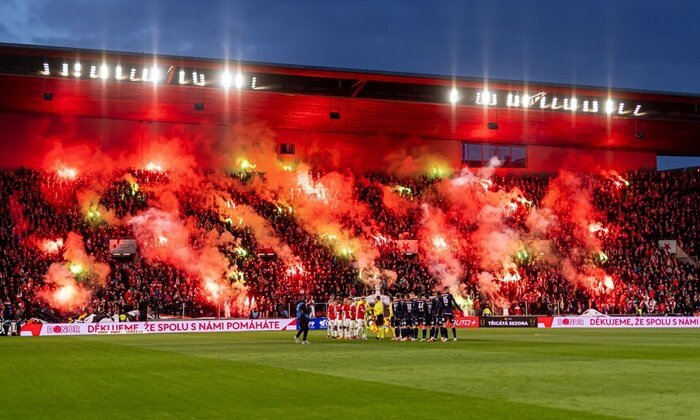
(494, 373)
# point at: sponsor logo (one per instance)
(317, 324)
(467, 322)
(63, 329)
(544, 321)
(571, 322)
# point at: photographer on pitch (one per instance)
(303, 315)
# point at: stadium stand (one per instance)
(37, 204)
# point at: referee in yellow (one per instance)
(378, 311)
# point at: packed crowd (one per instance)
(35, 205)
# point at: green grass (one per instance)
(518, 373)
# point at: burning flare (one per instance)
(66, 172)
(153, 167)
(51, 246)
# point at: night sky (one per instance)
(642, 44)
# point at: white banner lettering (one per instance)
(626, 322)
(160, 327)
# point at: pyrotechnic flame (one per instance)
(153, 167)
(213, 288)
(67, 172)
(64, 294)
(241, 251)
(439, 243)
(162, 240)
(522, 254)
(603, 257)
(346, 251)
(62, 291)
(623, 180)
(134, 187)
(596, 227)
(52, 246)
(75, 268)
(608, 282)
(437, 172)
(93, 214)
(402, 190)
(284, 208)
(616, 179)
(247, 166)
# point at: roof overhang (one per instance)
(370, 103)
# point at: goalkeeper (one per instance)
(378, 312)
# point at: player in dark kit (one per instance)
(416, 316)
(402, 319)
(435, 318)
(408, 318)
(447, 304)
(396, 307)
(425, 316)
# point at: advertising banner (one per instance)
(159, 327)
(545, 321)
(467, 322)
(508, 322)
(625, 322)
(317, 324)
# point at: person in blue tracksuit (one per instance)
(303, 315)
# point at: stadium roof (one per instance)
(121, 85)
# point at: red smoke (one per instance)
(69, 284)
(471, 229)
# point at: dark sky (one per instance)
(639, 44)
